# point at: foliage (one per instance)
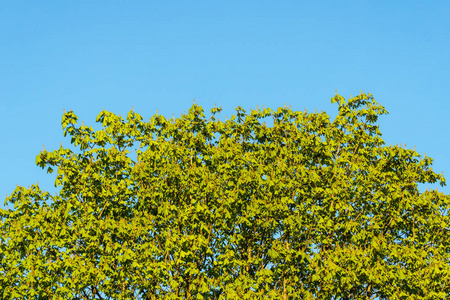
(196, 208)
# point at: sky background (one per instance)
(89, 55)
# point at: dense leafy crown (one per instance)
(199, 208)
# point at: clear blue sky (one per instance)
(90, 55)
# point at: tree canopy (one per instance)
(198, 208)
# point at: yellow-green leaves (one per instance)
(197, 208)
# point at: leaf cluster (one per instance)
(197, 208)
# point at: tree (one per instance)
(199, 208)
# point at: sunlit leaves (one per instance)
(197, 208)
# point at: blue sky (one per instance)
(90, 55)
